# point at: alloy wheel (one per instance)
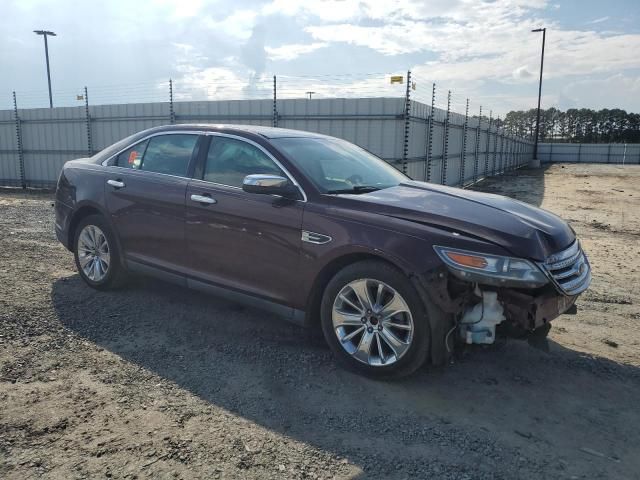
(93, 253)
(372, 322)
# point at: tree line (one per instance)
(581, 125)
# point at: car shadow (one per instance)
(525, 184)
(508, 408)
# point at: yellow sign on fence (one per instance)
(397, 79)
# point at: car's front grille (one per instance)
(569, 270)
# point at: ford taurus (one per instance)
(394, 272)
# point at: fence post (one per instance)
(274, 120)
(486, 153)
(464, 143)
(407, 123)
(512, 153)
(501, 163)
(477, 152)
(16, 117)
(172, 114)
(427, 166)
(88, 120)
(609, 153)
(495, 149)
(580, 151)
(445, 143)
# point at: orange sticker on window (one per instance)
(132, 157)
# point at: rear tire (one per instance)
(374, 320)
(96, 254)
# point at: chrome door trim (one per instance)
(105, 163)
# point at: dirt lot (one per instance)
(156, 381)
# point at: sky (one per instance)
(126, 50)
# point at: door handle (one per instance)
(116, 183)
(206, 199)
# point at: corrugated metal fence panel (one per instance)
(470, 146)
(589, 153)
(632, 154)
(50, 137)
(110, 123)
(245, 112)
(9, 161)
(454, 150)
(373, 123)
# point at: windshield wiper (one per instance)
(356, 189)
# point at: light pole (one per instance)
(46, 33)
(535, 145)
(310, 93)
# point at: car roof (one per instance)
(266, 132)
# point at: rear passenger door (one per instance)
(145, 195)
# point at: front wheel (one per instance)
(374, 320)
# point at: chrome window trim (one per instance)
(105, 163)
(263, 150)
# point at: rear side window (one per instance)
(132, 158)
(230, 160)
(168, 154)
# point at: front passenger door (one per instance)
(239, 240)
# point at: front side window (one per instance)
(229, 161)
(337, 166)
(168, 154)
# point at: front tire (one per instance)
(96, 254)
(374, 320)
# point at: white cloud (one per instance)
(291, 51)
(622, 91)
(238, 25)
(598, 20)
(210, 83)
(522, 73)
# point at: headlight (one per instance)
(492, 269)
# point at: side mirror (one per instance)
(270, 185)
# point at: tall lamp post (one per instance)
(535, 145)
(46, 33)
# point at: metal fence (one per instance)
(620, 153)
(419, 134)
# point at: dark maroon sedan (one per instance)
(323, 233)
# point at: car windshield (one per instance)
(336, 166)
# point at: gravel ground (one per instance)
(158, 381)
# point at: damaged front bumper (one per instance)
(532, 310)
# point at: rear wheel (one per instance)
(374, 320)
(96, 254)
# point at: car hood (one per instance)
(524, 230)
